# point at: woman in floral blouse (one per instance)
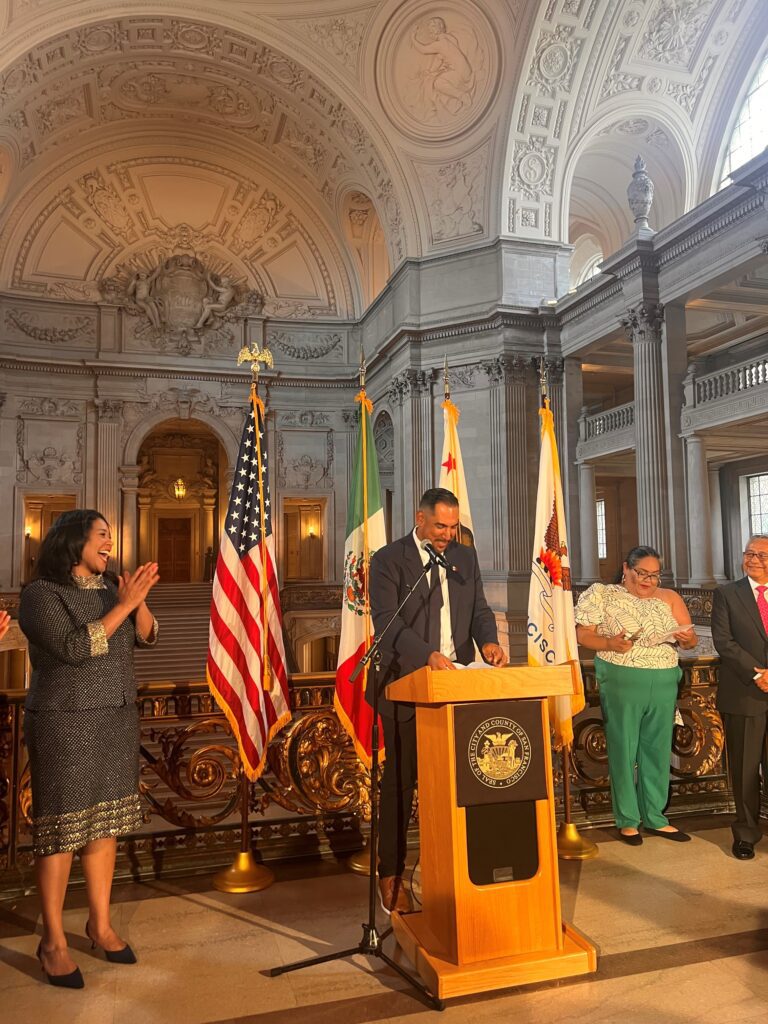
(633, 627)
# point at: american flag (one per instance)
(246, 667)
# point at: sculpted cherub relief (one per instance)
(140, 291)
(448, 83)
(225, 295)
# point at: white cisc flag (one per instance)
(551, 622)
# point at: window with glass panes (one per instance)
(750, 133)
(602, 544)
(757, 490)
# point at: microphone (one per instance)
(436, 558)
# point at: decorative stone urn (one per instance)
(640, 194)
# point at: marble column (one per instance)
(509, 441)
(674, 356)
(410, 396)
(567, 400)
(590, 561)
(699, 523)
(129, 485)
(108, 445)
(144, 540)
(716, 526)
(644, 326)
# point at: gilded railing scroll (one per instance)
(314, 794)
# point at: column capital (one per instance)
(108, 409)
(643, 323)
(411, 383)
(129, 478)
(509, 367)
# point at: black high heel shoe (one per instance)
(115, 956)
(72, 980)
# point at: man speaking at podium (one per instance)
(440, 623)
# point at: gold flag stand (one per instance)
(571, 845)
(245, 874)
(360, 861)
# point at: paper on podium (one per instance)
(473, 664)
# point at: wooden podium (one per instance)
(490, 915)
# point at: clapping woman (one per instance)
(81, 725)
(634, 627)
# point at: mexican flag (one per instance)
(452, 470)
(551, 623)
(365, 535)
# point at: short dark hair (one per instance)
(63, 545)
(437, 496)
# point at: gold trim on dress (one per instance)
(98, 636)
(95, 582)
(63, 833)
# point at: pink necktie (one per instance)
(762, 606)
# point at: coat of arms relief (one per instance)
(181, 305)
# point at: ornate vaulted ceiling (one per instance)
(306, 149)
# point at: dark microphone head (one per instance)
(436, 557)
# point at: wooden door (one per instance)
(174, 549)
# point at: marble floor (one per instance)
(682, 934)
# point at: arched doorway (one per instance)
(181, 474)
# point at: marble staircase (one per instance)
(182, 610)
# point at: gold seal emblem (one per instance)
(499, 752)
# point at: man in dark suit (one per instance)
(740, 634)
(440, 624)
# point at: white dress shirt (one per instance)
(446, 634)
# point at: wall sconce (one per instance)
(311, 533)
(179, 489)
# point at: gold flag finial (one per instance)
(362, 368)
(446, 380)
(255, 356)
(543, 378)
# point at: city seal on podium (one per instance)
(499, 752)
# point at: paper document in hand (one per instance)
(472, 664)
(671, 635)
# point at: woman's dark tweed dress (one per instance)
(81, 723)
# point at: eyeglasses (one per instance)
(761, 556)
(652, 577)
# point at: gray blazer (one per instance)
(406, 648)
(741, 641)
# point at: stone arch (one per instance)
(599, 168)
(148, 424)
(365, 236)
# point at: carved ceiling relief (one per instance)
(456, 195)
(136, 200)
(437, 68)
(165, 68)
(339, 35)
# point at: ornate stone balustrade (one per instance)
(314, 792)
(612, 430)
(725, 395)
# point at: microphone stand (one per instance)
(371, 942)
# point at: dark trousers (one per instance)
(745, 743)
(398, 782)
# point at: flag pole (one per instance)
(571, 845)
(245, 874)
(360, 861)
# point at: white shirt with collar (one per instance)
(446, 633)
(754, 584)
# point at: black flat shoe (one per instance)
(676, 837)
(115, 956)
(742, 850)
(72, 980)
(632, 840)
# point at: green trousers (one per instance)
(639, 715)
